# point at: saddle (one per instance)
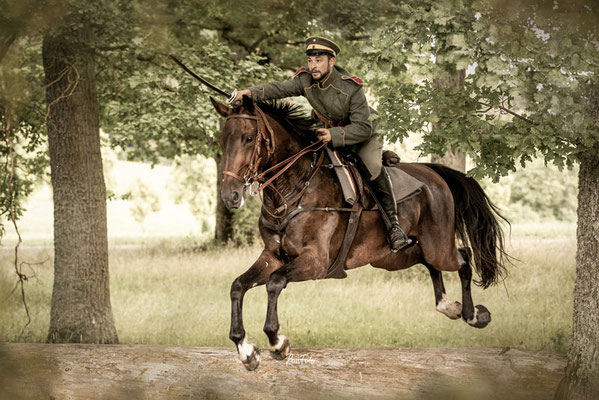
(347, 167)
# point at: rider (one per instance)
(338, 101)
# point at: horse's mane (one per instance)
(291, 117)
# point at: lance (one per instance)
(229, 96)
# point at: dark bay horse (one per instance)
(273, 145)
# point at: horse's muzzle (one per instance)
(232, 198)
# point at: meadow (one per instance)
(169, 291)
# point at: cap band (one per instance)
(320, 47)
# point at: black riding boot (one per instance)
(384, 191)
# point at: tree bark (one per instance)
(582, 373)
(81, 309)
(452, 158)
(223, 232)
(32, 371)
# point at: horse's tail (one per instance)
(477, 224)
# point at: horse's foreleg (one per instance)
(478, 316)
(452, 310)
(257, 274)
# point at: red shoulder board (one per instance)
(299, 71)
(353, 78)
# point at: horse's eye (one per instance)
(249, 139)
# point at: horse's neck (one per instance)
(290, 182)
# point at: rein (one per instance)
(251, 175)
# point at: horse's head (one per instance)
(242, 148)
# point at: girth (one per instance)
(336, 269)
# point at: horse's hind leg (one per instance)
(452, 310)
(257, 274)
(279, 345)
(478, 316)
(304, 267)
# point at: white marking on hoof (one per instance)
(280, 343)
(245, 349)
(472, 320)
(451, 309)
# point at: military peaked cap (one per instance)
(317, 45)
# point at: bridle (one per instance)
(251, 176)
(264, 133)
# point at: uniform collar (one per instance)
(330, 78)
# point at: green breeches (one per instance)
(371, 154)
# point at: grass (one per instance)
(164, 293)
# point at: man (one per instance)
(339, 102)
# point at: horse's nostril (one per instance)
(235, 196)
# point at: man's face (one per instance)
(320, 66)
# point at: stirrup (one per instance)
(397, 239)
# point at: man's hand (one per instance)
(237, 100)
(324, 135)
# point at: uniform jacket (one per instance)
(339, 98)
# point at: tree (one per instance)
(154, 110)
(532, 92)
(81, 309)
(452, 158)
(71, 32)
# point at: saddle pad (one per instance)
(404, 185)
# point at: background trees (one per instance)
(528, 88)
(531, 89)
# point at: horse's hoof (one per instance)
(481, 317)
(452, 310)
(282, 352)
(455, 310)
(253, 360)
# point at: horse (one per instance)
(272, 147)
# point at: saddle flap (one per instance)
(348, 186)
(405, 186)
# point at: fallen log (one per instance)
(43, 371)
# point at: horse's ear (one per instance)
(220, 108)
(248, 103)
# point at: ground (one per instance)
(149, 372)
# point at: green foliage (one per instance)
(529, 60)
(547, 192)
(194, 182)
(245, 221)
(537, 192)
(21, 126)
(144, 201)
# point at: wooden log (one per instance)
(59, 371)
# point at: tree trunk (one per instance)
(453, 159)
(81, 310)
(582, 373)
(223, 232)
